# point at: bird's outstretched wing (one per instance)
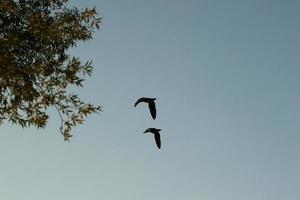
(152, 109)
(157, 139)
(139, 101)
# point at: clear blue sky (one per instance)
(226, 75)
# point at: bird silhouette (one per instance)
(155, 131)
(151, 105)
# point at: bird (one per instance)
(151, 105)
(155, 131)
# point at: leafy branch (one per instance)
(35, 68)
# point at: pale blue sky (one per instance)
(226, 76)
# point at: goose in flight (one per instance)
(155, 131)
(151, 105)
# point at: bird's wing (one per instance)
(152, 109)
(139, 101)
(157, 139)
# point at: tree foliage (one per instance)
(35, 68)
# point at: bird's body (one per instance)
(155, 131)
(151, 105)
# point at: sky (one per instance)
(226, 76)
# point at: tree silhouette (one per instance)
(35, 68)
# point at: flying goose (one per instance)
(151, 105)
(155, 131)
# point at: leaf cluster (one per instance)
(35, 67)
